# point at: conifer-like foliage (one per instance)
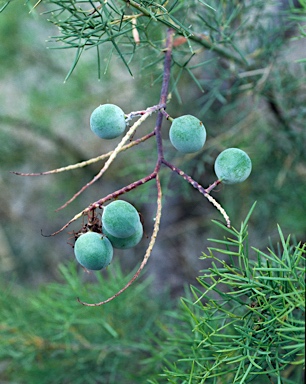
(127, 25)
(246, 321)
(47, 337)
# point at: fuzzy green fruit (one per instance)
(187, 134)
(233, 166)
(107, 121)
(120, 219)
(125, 242)
(93, 251)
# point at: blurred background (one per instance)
(44, 124)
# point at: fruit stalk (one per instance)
(202, 190)
(163, 97)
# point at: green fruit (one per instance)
(233, 166)
(107, 121)
(187, 134)
(93, 251)
(120, 219)
(125, 242)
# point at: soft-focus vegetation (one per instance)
(240, 68)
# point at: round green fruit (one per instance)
(107, 121)
(120, 219)
(125, 242)
(93, 251)
(187, 134)
(233, 166)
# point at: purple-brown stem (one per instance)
(190, 180)
(119, 192)
(113, 195)
(163, 97)
(202, 190)
(167, 116)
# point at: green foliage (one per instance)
(47, 337)
(125, 27)
(187, 134)
(243, 322)
(125, 242)
(246, 321)
(233, 166)
(120, 219)
(107, 121)
(93, 251)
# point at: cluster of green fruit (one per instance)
(121, 224)
(122, 229)
(187, 134)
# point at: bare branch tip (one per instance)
(41, 232)
(26, 174)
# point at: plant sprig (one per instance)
(89, 212)
(125, 25)
(247, 318)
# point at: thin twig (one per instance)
(87, 162)
(163, 97)
(119, 192)
(202, 190)
(113, 195)
(110, 159)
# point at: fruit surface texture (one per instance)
(93, 251)
(126, 242)
(107, 121)
(187, 134)
(233, 166)
(120, 219)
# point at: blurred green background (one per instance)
(44, 124)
